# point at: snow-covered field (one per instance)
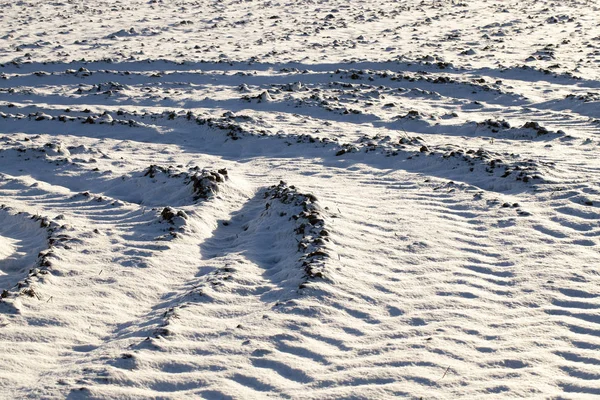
(308, 199)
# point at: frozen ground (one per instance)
(333, 199)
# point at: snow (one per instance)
(307, 200)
